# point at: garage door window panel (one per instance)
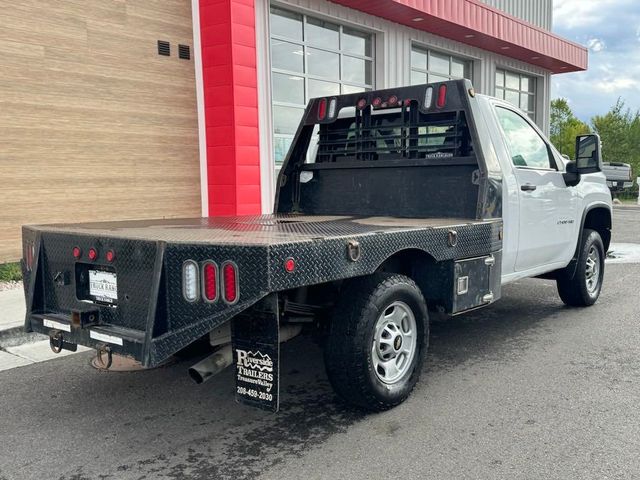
(428, 66)
(517, 89)
(322, 34)
(285, 23)
(287, 56)
(288, 88)
(323, 63)
(312, 58)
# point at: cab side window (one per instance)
(528, 149)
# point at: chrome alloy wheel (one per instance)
(394, 343)
(592, 272)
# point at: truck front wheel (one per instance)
(583, 287)
(377, 341)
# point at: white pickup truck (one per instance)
(618, 175)
(390, 204)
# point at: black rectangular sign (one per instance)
(256, 354)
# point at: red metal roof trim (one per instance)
(482, 26)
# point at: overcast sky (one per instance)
(611, 31)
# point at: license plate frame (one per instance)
(103, 286)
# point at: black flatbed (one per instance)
(255, 230)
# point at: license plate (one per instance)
(103, 286)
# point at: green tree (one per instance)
(619, 131)
(565, 127)
(634, 145)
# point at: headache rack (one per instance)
(398, 152)
(405, 132)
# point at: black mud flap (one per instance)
(256, 352)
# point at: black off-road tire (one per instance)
(348, 350)
(573, 289)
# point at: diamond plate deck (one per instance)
(274, 229)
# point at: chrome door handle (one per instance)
(527, 187)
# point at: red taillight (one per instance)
(77, 252)
(290, 265)
(322, 109)
(442, 96)
(110, 256)
(230, 279)
(93, 254)
(210, 282)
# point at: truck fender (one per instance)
(601, 223)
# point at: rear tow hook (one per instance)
(57, 343)
(101, 351)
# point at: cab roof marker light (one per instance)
(190, 281)
(442, 96)
(322, 109)
(428, 97)
(333, 103)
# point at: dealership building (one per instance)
(113, 109)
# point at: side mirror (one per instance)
(588, 153)
(572, 175)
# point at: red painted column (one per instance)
(228, 42)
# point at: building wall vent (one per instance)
(184, 52)
(164, 48)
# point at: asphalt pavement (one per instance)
(524, 389)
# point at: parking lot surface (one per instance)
(524, 389)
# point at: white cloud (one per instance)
(610, 29)
(617, 84)
(580, 13)
(596, 45)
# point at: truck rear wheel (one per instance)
(377, 341)
(583, 288)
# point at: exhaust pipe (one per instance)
(223, 358)
(213, 364)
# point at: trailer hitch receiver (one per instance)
(57, 343)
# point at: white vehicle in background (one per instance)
(618, 175)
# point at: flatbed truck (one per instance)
(391, 205)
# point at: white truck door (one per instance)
(547, 207)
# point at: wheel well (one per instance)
(406, 262)
(599, 219)
(429, 274)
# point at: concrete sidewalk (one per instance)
(16, 347)
(12, 309)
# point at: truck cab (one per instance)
(544, 211)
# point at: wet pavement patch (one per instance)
(624, 253)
